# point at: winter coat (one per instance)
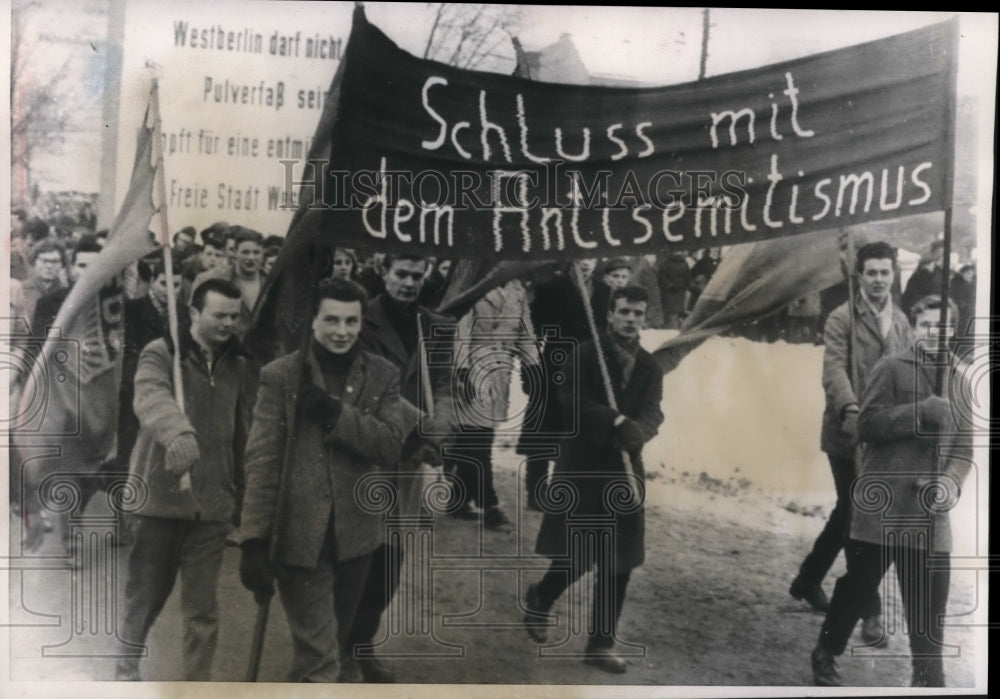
(644, 275)
(491, 336)
(216, 411)
(592, 470)
(143, 324)
(324, 476)
(560, 321)
(902, 449)
(24, 296)
(674, 276)
(923, 282)
(379, 337)
(868, 347)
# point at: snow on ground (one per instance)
(743, 416)
(742, 422)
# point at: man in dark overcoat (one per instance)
(590, 516)
(557, 304)
(393, 326)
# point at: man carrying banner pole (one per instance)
(305, 522)
(619, 393)
(857, 334)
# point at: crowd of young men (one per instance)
(270, 453)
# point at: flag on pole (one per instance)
(756, 280)
(76, 374)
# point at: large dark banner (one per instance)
(432, 159)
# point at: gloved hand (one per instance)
(317, 405)
(256, 573)
(627, 436)
(850, 425)
(181, 454)
(935, 411)
(419, 450)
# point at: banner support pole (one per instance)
(949, 194)
(605, 376)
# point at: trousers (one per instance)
(320, 604)
(160, 549)
(608, 597)
(378, 589)
(834, 535)
(924, 592)
(472, 463)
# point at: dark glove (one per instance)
(628, 437)
(256, 573)
(935, 411)
(418, 450)
(317, 405)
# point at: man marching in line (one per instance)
(349, 422)
(183, 529)
(914, 452)
(591, 465)
(851, 349)
(390, 330)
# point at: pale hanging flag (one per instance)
(77, 373)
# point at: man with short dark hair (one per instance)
(249, 255)
(592, 467)
(915, 451)
(391, 331)
(47, 307)
(146, 319)
(190, 461)
(349, 423)
(47, 258)
(245, 273)
(879, 329)
(211, 256)
(19, 262)
(184, 238)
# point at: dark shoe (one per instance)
(465, 511)
(532, 624)
(811, 593)
(374, 671)
(497, 521)
(350, 670)
(824, 665)
(873, 633)
(605, 659)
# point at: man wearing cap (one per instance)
(617, 272)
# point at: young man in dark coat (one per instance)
(145, 321)
(349, 422)
(591, 466)
(391, 331)
(557, 304)
(916, 459)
